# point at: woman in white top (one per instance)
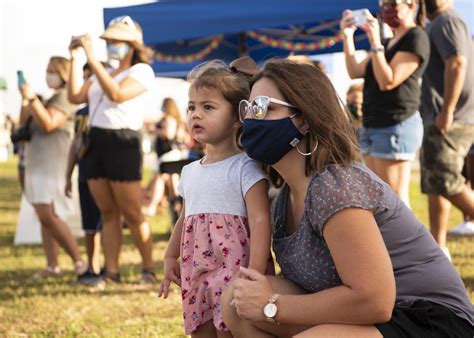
(117, 101)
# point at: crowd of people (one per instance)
(354, 259)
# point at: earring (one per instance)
(311, 152)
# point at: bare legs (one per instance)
(113, 200)
(59, 232)
(93, 251)
(395, 173)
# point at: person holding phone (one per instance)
(45, 163)
(118, 100)
(392, 129)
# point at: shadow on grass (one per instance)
(15, 284)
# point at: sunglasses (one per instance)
(393, 3)
(123, 19)
(259, 107)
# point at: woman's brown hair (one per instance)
(170, 108)
(61, 65)
(141, 53)
(313, 95)
(421, 13)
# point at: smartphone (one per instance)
(360, 16)
(21, 78)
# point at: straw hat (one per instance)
(123, 28)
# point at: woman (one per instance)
(355, 260)
(392, 128)
(171, 144)
(45, 164)
(117, 102)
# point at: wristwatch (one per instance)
(270, 309)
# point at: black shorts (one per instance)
(425, 319)
(114, 154)
(90, 214)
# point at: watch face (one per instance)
(270, 310)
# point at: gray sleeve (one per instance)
(339, 188)
(251, 173)
(449, 38)
(61, 103)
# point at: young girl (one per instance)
(225, 221)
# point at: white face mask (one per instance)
(53, 81)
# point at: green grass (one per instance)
(57, 307)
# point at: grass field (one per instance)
(57, 307)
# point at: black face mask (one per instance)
(267, 141)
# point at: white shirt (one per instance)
(107, 114)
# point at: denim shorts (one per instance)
(398, 142)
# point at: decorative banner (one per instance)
(296, 46)
(215, 42)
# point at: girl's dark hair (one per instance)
(313, 95)
(233, 86)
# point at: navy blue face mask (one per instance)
(267, 141)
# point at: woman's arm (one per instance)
(355, 69)
(25, 113)
(127, 89)
(367, 293)
(49, 119)
(75, 92)
(258, 212)
(403, 64)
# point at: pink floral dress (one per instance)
(215, 237)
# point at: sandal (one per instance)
(148, 278)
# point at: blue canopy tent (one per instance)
(185, 33)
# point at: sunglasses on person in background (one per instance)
(123, 19)
(259, 107)
(393, 3)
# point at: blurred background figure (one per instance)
(392, 128)
(118, 100)
(90, 214)
(448, 117)
(171, 144)
(354, 100)
(45, 163)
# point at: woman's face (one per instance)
(53, 79)
(266, 87)
(117, 50)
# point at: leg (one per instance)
(93, 251)
(439, 208)
(464, 201)
(206, 330)
(396, 174)
(243, 328)
(58, 230)
(127, 195)
(50, 247)
(341, 330)
(157, 193)
(111, 226)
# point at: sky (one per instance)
(31, 31)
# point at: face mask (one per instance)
(54, 80)
(390, 17)
(117, 51)
(267, 141)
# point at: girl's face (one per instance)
(53, 80)
(209, 116)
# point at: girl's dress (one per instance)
(215, 237)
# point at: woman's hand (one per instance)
(26, 92)
(85, 42)
(171, 274)
(74, 47)
(346, 24)
(372, 29)
(251, 293)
